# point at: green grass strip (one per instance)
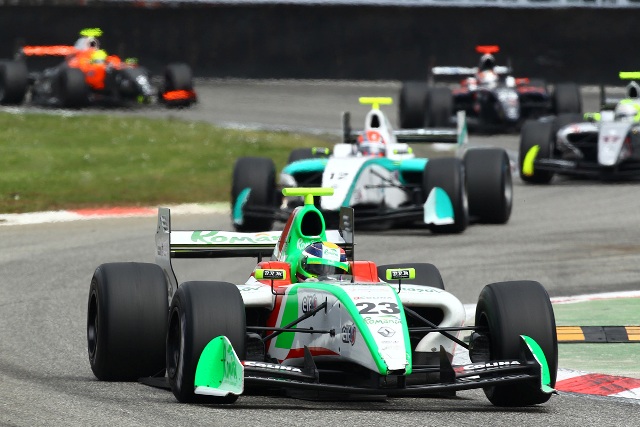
(50, 162)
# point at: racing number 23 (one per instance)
(379, 308)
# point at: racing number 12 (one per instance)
(370, 308)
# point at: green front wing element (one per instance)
(529, 158)
(438, 209)
(538, 354)
(219, 371)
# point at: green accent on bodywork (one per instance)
(629, 75)
(219, 368)
(412, 165)
(349, 305)
(320, 150)
(384, 162)
(438, 208)
(410, 273)
(593, 117)
(272, 274)
(305, 165)
(238, 216)
(529, 158)
(307, 193)
(536, 350)
(290, 314)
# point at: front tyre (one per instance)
(14, 81)
(541, 134)
(412, 104)
(489, 185)
(507, 310)
(201, 311)
(253, 189)
(127, 321)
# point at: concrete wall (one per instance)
(343, 42)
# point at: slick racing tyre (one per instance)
(72, 89)
(507, 310)
(567, 98)
(201, 311)
(253, 187)
(127, 321)
(489, 185)
(178, 76)
(541, 134)
(448, 174)
(308, 153)
(14, 80)
(411, 108)
(426, 274)
(439, 107)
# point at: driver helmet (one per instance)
(321, 259)
(372, 144)
(85, 43)
(99, 56)
(487, 62)
(627, 110)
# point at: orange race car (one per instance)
(88, 75)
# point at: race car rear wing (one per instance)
(222, 244)
(425, 135)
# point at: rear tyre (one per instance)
(73, 91)
(439, 107)
(412, 105)
(541, 134)
(127, 321)
(448, 174)
(567, 98)
(201, 311)
(489, 185)
(253, 186)
(508, 310)
(426, 274)
(14, 80)
(308, 153)
(178, 76)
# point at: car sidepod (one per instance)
(611, 143)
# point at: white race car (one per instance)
(604, 145)
(376, 171)
(312, 318)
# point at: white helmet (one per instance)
(627, 110)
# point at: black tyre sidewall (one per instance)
(13, 82)
(412, 104)
(126, 321)
(178, 76)
(489, 185)
(258, 174)
(511, 309)
(201, 311)
(426, 274)
(567, 98)
(73, 91)
(439, 107)
(448, 174)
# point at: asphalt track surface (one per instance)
(575, 237)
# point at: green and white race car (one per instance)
(375, 171)
(312, 318)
